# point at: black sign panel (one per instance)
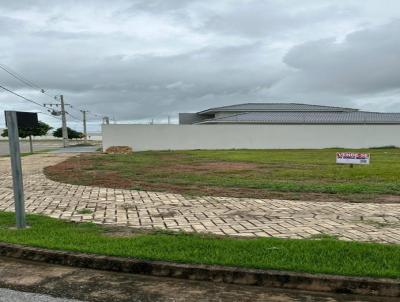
(27, 119)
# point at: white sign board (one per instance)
(352, 158)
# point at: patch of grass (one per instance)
(314, 256)
(299, 174)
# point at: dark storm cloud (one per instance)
(152, 58)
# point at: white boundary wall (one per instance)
(187, 137)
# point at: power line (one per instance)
(71, 115)
(34, 102)
(87, 111)
(96, 114)
(21, 96)
(74, 117)
(57, 118)
(26, 99)
(18, 77)
(23, 79)
(31, 84)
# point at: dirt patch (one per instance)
(119, 150)
(70, 165)
(388, 199)
(81, 170)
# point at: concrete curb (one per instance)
(213, 273)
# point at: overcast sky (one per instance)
(144, 59)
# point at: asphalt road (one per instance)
(103, 286)
(37, 146)
(54, 146)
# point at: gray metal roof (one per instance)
(275, 107)
(354, 117)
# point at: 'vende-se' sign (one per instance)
(352, 158)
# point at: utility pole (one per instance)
(84, 125)
(64, 123)
(106, 120)
(63, 117)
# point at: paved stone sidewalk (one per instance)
(218, 215)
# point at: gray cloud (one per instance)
(160, 6)
(9, 26)
(366, 62)
(147, 59)
(270, 18)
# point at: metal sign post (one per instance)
(13, 139)
(15, 119)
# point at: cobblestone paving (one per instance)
(218, 215)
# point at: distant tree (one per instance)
(40, 130)
(71, 133)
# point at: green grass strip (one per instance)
(326, 255)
